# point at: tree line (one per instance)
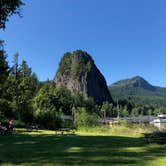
(28, 100)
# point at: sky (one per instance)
(126, 38)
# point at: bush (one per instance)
(5, 109)
(48, 119)
(85, 119)
(19, 124)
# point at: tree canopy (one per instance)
(8, 8)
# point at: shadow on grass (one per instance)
(23, 149)
(158, 137)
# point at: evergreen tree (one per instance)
(4, 68)
(4, 71)
(22, 87)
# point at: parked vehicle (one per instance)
(161, 118)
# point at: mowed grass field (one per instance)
(86, 147)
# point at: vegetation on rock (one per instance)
(78, 73)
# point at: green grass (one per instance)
(91, 147)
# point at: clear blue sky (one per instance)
(124, 37)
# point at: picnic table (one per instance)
(65, 131)
(32, 127)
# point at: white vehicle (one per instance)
(161, 118)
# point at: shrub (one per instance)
(85, 119)
(48, 119)
(19, 124)
(5, 109)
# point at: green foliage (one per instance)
(139, 97)
(107, 109)
(5, 109)
(4, 72)
(27, 100)
(23, 85)
(65, 100)
(86, 119)
(135, 112)
(65, 64)
(74, 64)
(49, 97)
(48, 119)
(46, 98)
(20, 124)
(19, 89)
(79, 100)
(82, 65)
(50, 104)
(4, 68)
(8, 8)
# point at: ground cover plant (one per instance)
(44, 147)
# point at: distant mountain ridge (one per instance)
(136, 86)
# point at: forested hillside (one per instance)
(140, 92)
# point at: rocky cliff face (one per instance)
(79, 74)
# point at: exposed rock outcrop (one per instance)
(79, 74)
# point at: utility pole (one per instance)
(74, 116)
(118, 108)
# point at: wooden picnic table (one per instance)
(32, 128)
(65, 130)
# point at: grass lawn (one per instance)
(84, 148)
